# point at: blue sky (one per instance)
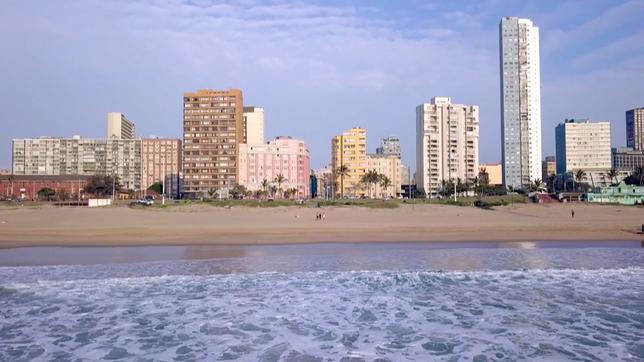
(318, 68)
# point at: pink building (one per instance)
(283, 155)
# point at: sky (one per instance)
(317, 67)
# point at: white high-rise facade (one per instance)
(520, 101)
(447, 144)
(253, 125)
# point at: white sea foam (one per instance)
(313, 316)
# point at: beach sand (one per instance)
(204, 224)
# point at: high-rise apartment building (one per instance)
(212, 132)
(80, 156)
(282, 156)
(635, 129)
(548, 167)
(447, 144)
(583, 145)
(520, 101)
(161, 162)
(390, 167)
(389, 146)
(253, 125)
(119, 127)
(349, 150)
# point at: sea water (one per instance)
(384, 302)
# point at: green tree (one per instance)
(102, 185)
(385, 183)
(265, 185)
(273, 190)
(46, 193)
(211, 193)
(279, 180)
(238, 192)
(156, 187)
(342, 172)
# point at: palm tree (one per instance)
(385, 182)
(342, 171)
(211, 192)
(538, 184)
(273, 190)
(612, 173)
(279, 179)
(265, 185)
(580, 175)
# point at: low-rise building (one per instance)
(26, 187)
(620, 194)
(282, 156)
(584, 145)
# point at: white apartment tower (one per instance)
(520, 101)
(447, 144)
(253, 125)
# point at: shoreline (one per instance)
(205, 225)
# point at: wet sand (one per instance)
(204, 224)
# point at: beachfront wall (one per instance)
(26, 187)
(282, 156)
(620, 194)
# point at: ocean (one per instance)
(540, 301)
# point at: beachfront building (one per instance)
(161, 162)
(389, 146)
(627, 159)
(520, 102)
(253, 125)
(548, 167)
(584, 145)
(388, 166)
(405, 175)
(119, 127)
(349, 151)
(635, 129)
(619, 194)
(447, 144)
(49, 156)
(494, 173)
(282, 156)
(212, 132)
(26, 187)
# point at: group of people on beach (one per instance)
(320, 216)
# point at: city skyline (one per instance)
(375, 83)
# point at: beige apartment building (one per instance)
(253, 125)
(389, 166)
(161, 162)
(119, 127)
(349, 150)
(584, 145)
(447, 144)
(213, 130)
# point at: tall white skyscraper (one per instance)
(520, 101)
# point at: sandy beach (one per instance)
(204, 224)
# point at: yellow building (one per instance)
(494, 172)
(349, 150)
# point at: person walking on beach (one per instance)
(572, 213)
